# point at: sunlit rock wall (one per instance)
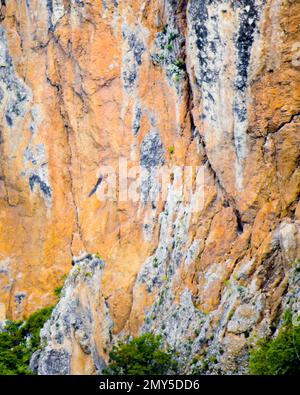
(209, 84)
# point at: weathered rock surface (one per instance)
(214, 84)
(80, 328)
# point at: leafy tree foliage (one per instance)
(19, 341)
(142, 355)
(279, 356)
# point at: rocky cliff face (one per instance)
(210, 84)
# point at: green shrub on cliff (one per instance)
(57, 291)
(19, 341)
(278, 356)
(142, 355)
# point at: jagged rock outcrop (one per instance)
(204, 83)
(79, 331)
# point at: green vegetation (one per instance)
(169, 42)
(57, 291)
(180, 63)
(171, 150)
(172, 36)
(98, 255)
(296, 262)
(88, 275)
(278, 356)
(19, 341)
(213, 360)
(230, 315)
(142, 355)
(227, 283)
(155, 262)
(161, 299)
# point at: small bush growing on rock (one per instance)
(57, 291)
(278, 356)
(227, 283)
(155, 262)
(180, 64)
(98, 255)
(19, 341)
(142, 355)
